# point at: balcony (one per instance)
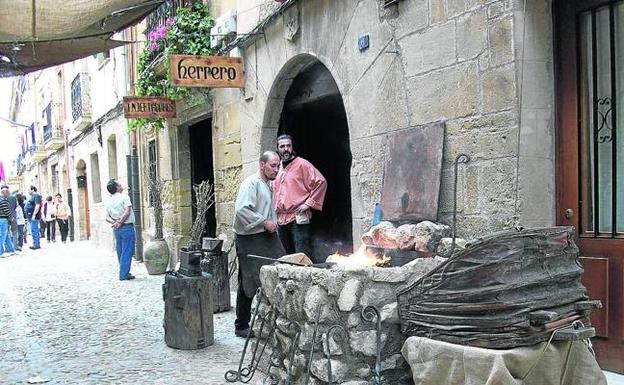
(53, 138)
(20, 164)
(158, 18)
(80, 102)
(39, 154)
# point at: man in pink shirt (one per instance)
(298, 189)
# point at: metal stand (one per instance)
(461, 158)
(343, 333)
(371, 314)
(245, 374)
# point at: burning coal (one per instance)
(361, 258)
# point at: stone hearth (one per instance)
(335, 296)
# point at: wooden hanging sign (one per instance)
(148, 107)
(206, 71)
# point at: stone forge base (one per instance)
(334, 296)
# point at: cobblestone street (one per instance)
(64, 317)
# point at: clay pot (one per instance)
(156, 256)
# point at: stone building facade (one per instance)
(76, 137)
(482, 67)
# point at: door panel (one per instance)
(590, 155)
(596, 280)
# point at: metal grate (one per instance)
(600, 160)
(158, 18)
(76, 98)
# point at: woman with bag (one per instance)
(49, 212)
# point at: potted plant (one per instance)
(156, 250)
(191, 255)
(186, 33)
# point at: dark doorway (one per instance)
(202, 168)
(315, 117)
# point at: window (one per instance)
(601, 132)
(55, 179)
(112, 157)
(96, 185)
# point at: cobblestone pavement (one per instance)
(65, 317)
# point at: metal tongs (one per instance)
(323, 265)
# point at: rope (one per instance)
(539, 358)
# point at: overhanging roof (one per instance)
(37, 34)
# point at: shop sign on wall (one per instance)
(206, 71)
(148, 107)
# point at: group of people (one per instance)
(273, 211)
(17, 210)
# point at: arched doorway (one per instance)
(84, 225)
(313, 113)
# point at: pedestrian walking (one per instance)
(21, 221)
(49, 213)
(33, 214)
(255, 226)
(42, 222)
(12, 222)
(6, 242)
(298, 189)
(120, 216)
(63, 212)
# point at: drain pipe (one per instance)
(135, 195)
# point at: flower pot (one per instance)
(156, 256)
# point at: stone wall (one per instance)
(429, 60)
(336, 296)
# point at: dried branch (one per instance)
(204, 199)
(155, 187)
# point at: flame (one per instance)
(362, 257)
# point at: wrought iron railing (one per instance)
(47, 134)
(159, 17)
(20, 163)
(76, 98)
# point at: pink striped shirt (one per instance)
(297, 183)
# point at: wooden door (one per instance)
(589, 37)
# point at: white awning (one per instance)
(35, 34)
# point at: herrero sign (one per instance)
(148, 107)
(206, 71)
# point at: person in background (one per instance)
(12, 222)
(63, 212)
(42, 223)
(49, 212)
(33, 214)
(20, 220)
(255, 226)
(298, 189)
(6, 243)
(119, 214)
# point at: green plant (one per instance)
(188, 33)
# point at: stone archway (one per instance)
(82, 195)
(306, 103)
